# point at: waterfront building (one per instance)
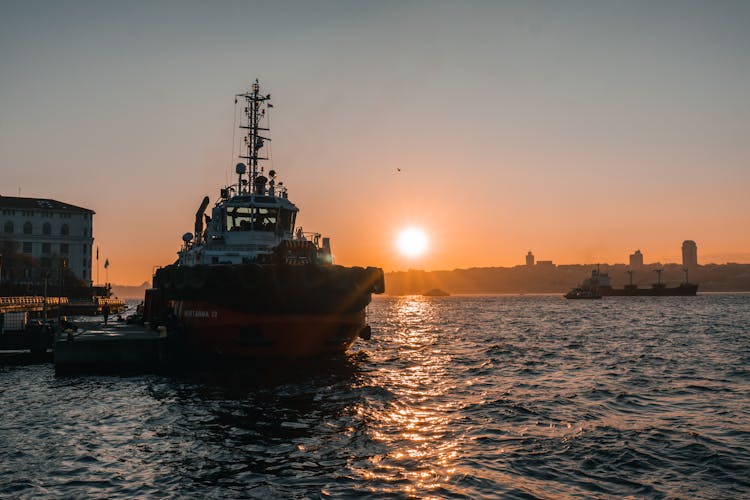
(49, 231)
(636, 259)
(689, 253)
(529, 259)
(544, 263)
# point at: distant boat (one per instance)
(435, 292)
(583, 293)
(599, 283)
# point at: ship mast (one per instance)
(253, 112)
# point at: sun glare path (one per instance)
(412, 242)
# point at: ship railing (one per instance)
(231, 249)
(308, 236)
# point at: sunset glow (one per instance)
(510, 123)
(412, 242)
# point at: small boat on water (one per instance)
(435, 292)
(249, 283)
(583, 293)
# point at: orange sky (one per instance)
(517, 126)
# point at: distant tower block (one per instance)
(529, 259)
(636, 259)
(689, 253)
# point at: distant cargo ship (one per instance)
(599, 284)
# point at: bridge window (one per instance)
(64, 230)
(8, 228)
(239, 219)
(47, 228)
(265, 219)
(251, 218)
(286, 220)
(28, 228)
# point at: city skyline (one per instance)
(689, 257)
(574, 128)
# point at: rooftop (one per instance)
(14, 202)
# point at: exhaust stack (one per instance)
(199, 219)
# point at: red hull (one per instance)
(216, 331)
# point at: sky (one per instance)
(579, 130)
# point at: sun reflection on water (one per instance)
(413, 427)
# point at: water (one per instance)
(457, 397)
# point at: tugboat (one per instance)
(248, 283)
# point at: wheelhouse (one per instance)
(258, 213)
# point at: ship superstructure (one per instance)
(253, 216)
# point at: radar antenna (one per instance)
(255, 108)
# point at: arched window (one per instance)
(47, 228)
(8, 229)
(64, 230)
(27, 228)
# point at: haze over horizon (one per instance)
(580, 130)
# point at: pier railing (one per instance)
(33, 303)
(37, 303)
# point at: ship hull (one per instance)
(269, 311)
(678, 291)
(214, 331)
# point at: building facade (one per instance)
(529, 259)
(636, 259)
(689, 253)
(50, 232)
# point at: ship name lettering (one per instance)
(196, 314)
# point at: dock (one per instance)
(92, 347)
(117, 347)
(28, 322)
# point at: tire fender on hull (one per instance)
(251, 276)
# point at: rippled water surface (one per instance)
(500, 396)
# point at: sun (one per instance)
(412, 242)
